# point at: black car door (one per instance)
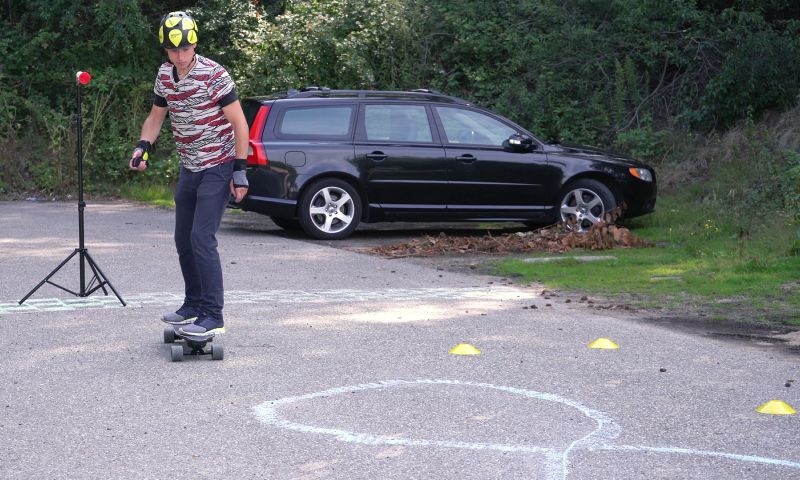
(401, 158)
(487, 178)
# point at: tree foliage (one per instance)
(619, 73)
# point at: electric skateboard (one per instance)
(191, 345)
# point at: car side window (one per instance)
(329, 121)
(397, 123)
(466, 127)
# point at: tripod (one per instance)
(81, 78)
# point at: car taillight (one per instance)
(256, 155)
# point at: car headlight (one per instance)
(642, 174)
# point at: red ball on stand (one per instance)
(83, 78)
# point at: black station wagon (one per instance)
(325, 160)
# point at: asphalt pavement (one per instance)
(337, 365)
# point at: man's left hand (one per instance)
(239, 181)
(238, 193)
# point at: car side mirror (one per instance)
(518, 143)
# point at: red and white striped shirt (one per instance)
(203, 135)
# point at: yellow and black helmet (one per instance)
(177, 29)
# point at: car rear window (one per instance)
(250, 109)
(312, 122)
(397, 123)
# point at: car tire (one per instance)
(330, 209)
(290, 224)
(584, 203)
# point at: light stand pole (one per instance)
(81, 78)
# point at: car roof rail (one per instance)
(427, 90)
(325, 92)
(313, 88)
(416, 94)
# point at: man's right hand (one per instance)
(137, 162)
(141, 155)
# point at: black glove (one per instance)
(145, 146)
(240, 173)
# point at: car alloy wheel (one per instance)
(585, 204)
(330, 209)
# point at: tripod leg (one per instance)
(103, 279)
(48, 277)
(96, 278)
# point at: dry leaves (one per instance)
(553, 239)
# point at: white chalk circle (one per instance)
(556, 461)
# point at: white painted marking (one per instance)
(704, 453)
(556, 463)
(268, 296)
(575, 258)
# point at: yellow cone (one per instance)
(603, 343)
(464, 349)
(776, 407)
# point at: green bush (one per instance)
(755, 77)
(618, 73)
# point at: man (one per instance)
(211, 136)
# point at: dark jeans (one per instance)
(200, 200)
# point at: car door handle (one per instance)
(466, 158)
(377, 156)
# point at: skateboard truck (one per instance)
(191, 346)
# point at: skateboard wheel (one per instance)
(217, 351)
(169, 335)
(176, 353)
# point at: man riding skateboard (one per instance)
(211, 135)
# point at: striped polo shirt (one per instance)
(203, 135)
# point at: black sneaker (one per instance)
(185, 314)
(203, 327)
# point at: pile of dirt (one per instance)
(553, 239)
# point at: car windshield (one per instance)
(472, 128)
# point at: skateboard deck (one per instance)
(190, 345)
